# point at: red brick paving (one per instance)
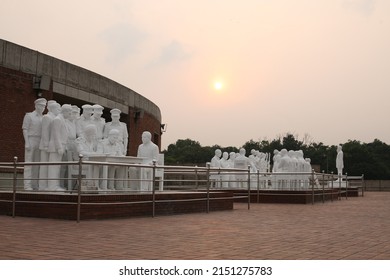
(357, 228)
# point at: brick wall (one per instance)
(17, 98)
(69, 84)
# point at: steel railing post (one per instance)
(258, 186)
(249, 187)
(208, 187)
(80, 164)
(346, 185)
(14, 188)
(312, 186)
(196, 177)
(339, 178)
(323, 186)
(331, 187)
(153, 189)
(363, 184)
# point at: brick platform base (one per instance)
(104, 206)
(293, 197)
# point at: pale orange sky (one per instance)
(307, 67)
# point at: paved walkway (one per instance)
(357, 228)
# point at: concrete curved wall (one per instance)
(66, 83)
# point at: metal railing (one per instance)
(80, 189)
(247, 184)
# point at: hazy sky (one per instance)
(307, 67)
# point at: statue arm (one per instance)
(25, 126)
(26, 140)
(125, 137)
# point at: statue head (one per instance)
(339, 148)
(242, 152)
(66, 111)
(97, 110)
(75, 112)
(90, 132)
(115, 114)
(87, 110)
(53, 107)
(218, 153)
(40, 105)
(146, 137)
(232, 155)
(113, 136)
(225, 155)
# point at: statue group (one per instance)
(62, 134)
(283, 162)
(257, 161)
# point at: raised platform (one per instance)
(290, 196)
(116, 205)
(285, 196)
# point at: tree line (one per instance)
(371, 159)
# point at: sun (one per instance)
(218, 85)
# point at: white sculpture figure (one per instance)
(283, 167)
(98, 120)
(241, 162)
(57, 145)
(53, 110)
(276, 159)
(307, 168)
(114, 147)
(215, 177)
(340, 161)
(120, 126)
(232, 177)
(32, 129)
(261, 166)
(87, 144)
(84, 120)
(293, 169)
(252, 161)
(70, 150)
(224, 162)
(150, 151)
(301, 168)
(75, 113)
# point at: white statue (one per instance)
(98, 120)
(84, 120)
(252, 161)
(57, 145)
(307, 168)
(120, 126)
(215, 177)
(53, 110)
(32, 129)
(232, 176)
(339, 161)
(87, 144)
(276, 159)
(241, 162)
(150, 151)
(114, 147)
(225, 164)
(75, 113)
(284, 166)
